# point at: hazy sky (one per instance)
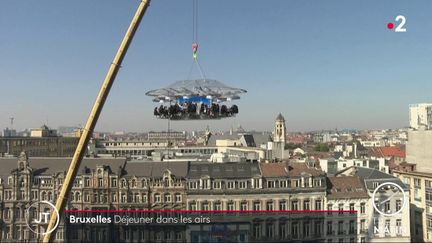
(322, 64)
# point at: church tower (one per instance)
(279, 136)
(279, 130)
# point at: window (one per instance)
(317, 182)
(352, 227)
(244, 206)
(269, 230)
(318, 205)
(257, 206)
(113, 182)
(87, 182)
(123, 183)
(329, 228)
(362, 226)
(398, 226)
(242, 184)
(271, 184)
(167, 197)
(306, 229)
(34, 195)
(269, 206)
(417, 182)
(318, 225)
(256, 231)
(295, 230)
(398, 205)
(157, 197)
(282, 230)
(387, 206)
(257, 183)
(340, 208)
(217, 185)
(329, 208)
(100, 182)
(205, 184)
(205, 206)
(218, 206)
(193, 185)
(306, 205)
(306, 182)
(231, 206)
(340, 228)
(362, 208)
(428, 184)
(231, 184)
(294, 205)
(351, 208)
(178, 197)
(193, 206)
(283, 184)
(387, 227)
(282, 205)
(428, 195)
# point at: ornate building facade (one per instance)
(241, 202)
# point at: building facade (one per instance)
(260, 188)
(389, 219)
(420, 115)
(418, 149)
(244, 202)
(420, 185)
(347, 193)
(38, 146)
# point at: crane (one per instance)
(93, 117)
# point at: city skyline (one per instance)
(293, 57)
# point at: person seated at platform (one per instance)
(224, 110)
(234, 109)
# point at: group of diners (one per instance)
(195, 110)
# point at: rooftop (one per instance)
(346, 187)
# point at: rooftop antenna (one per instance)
(11, 121)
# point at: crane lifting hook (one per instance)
(194, 50)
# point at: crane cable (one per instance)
(195, 39)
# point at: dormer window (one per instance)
(123, 183)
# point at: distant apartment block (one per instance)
(43, 132)
(420, 115)
(332, 165)
(164, 136)
(38, 147)
(418, 149)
